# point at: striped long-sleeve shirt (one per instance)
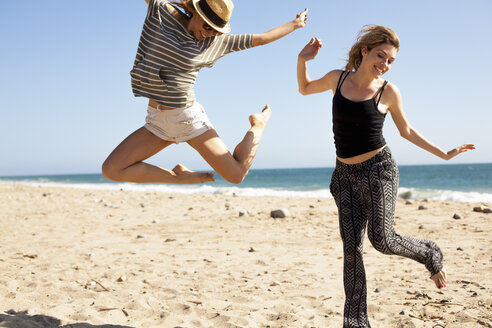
(169, 57)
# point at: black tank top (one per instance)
(357, 125)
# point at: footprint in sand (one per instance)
(180, 309)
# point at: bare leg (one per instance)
(125, 162)
(232, 168)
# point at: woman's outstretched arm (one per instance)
(412, 135)
(280, 31)
(306, 85)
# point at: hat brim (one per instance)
(225, 29)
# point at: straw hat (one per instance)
(215, 13)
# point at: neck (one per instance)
(362, 78)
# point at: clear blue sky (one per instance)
(66, 100)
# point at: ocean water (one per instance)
(452, 182)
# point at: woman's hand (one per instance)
(280, 31)
(311, 49)
(301, 19)
(458, 150)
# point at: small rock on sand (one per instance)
(478, 209)
(280, 213)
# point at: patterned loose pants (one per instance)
(366, 193)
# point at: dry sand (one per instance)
(99, 258)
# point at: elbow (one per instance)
(257, 43)
(406, 133)
(303, 90)
(259, 40)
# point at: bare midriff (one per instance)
(360, 158)
(158, 106)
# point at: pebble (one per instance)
(379, 289)
(275, 283)
(487, 210)
(251, 250)
(478, 209)
(140, 236)
(456, 216)
(280, 213)
(402, 312)
(422, 207)
(242, 213)
(406, 195)
(408, 202)
(155, 221)
(121, 279)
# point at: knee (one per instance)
(235, 179)
(382, 243)
(109, 171)
(235, 176)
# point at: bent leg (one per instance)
(125, 162)
(382, 187)
(232, 168)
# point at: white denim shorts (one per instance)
(178, 125)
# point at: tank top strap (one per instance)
(340, 80)
(380, 92)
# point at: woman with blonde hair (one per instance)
(365, 180)
(174, 46)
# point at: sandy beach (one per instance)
(114, 258)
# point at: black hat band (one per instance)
(207, 11)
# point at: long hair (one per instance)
(370, 36)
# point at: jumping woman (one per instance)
(177, 40)
(365, 181)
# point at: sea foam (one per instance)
(407, 193)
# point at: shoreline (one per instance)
(155, 259)
(413, 194)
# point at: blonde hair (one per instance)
(370, 36)
(186, 5)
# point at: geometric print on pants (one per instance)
(365, 194)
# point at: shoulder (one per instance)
(336, 73)
(392, 96)
(392, 91)
(332, 78)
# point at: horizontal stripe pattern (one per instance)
(169, 57)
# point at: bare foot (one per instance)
(440, 278)
(261, 119)
(187, 176)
